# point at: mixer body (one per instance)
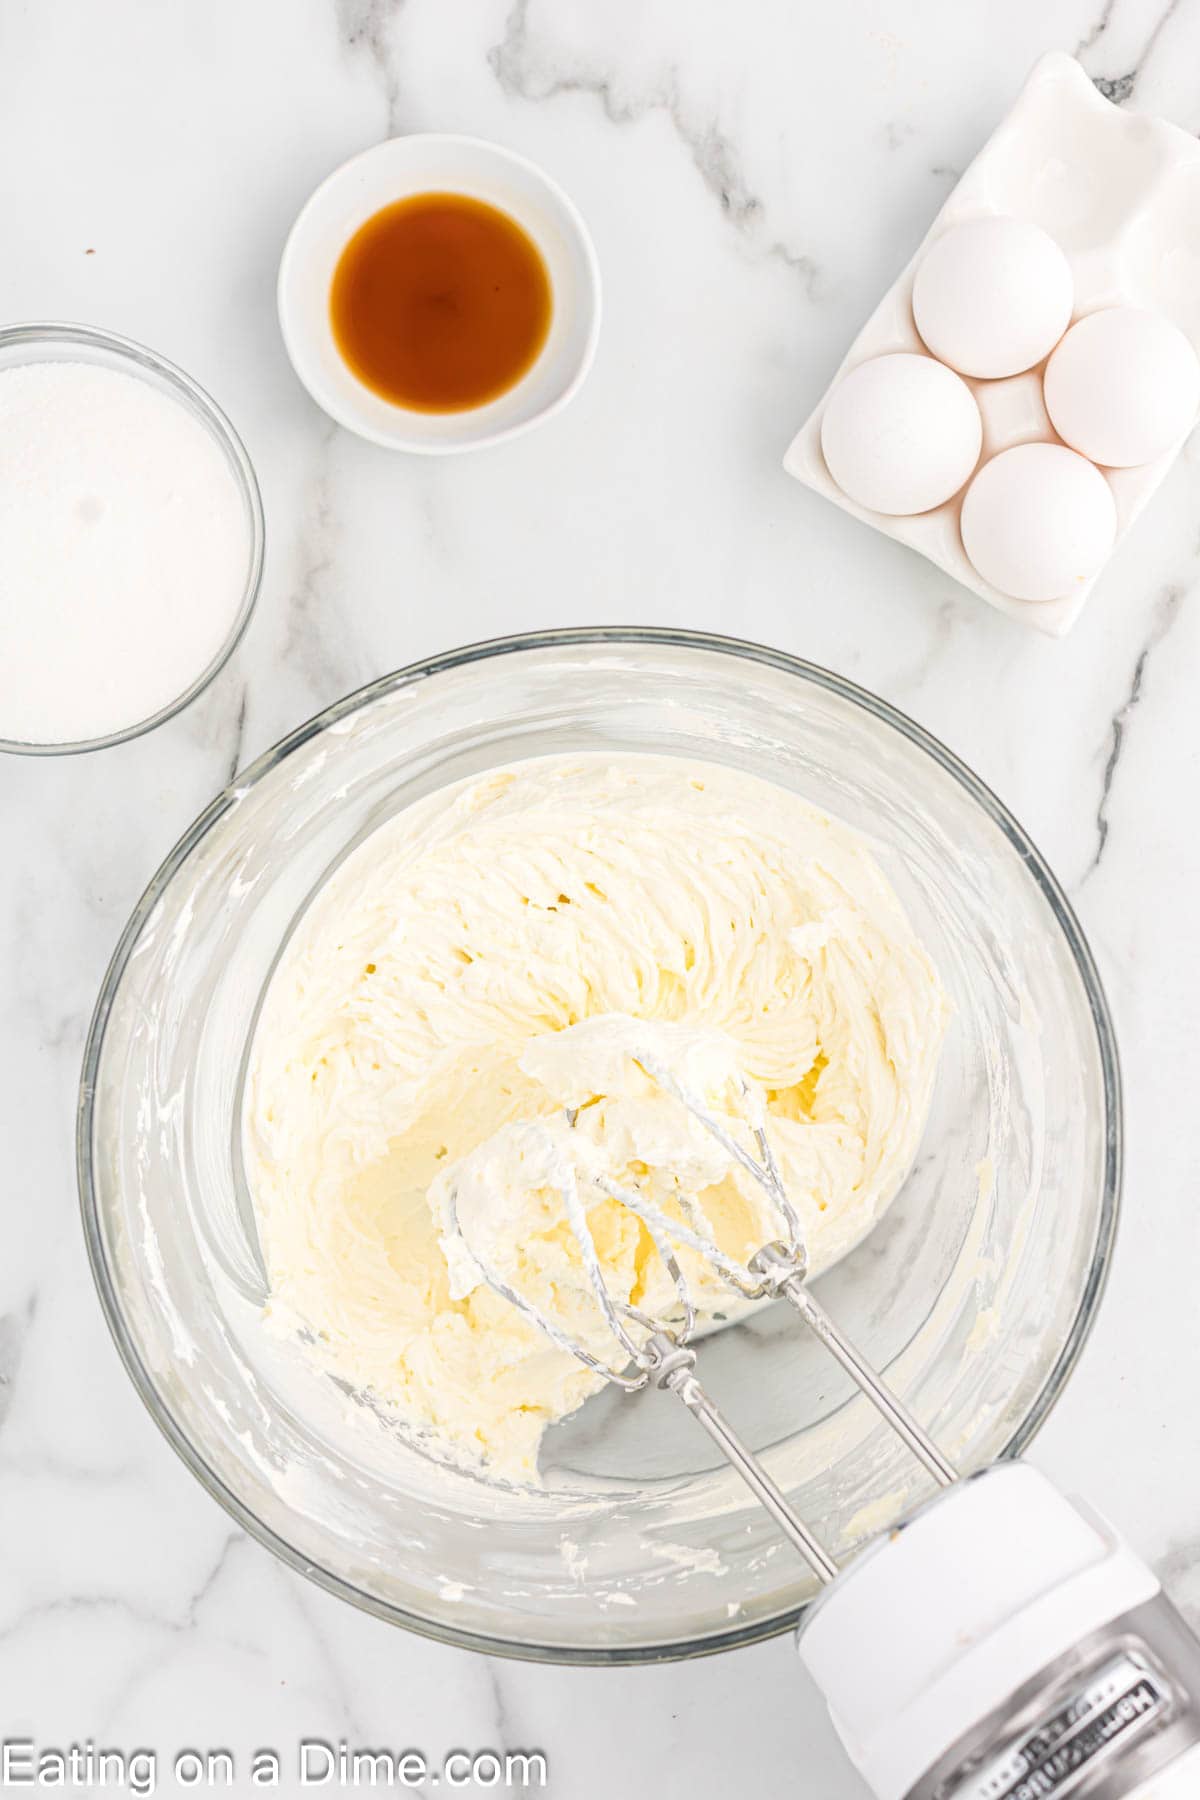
(1117, 1708)
(1006, 1645)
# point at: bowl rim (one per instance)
(583, 1653)
(406, 438)
(197, 400)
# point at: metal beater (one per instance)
(660, 1349)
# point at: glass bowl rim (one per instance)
(197, 400)
(581, 1653)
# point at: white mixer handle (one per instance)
(1006, 1645)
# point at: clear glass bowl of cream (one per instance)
(128, 674)
(973, 1294)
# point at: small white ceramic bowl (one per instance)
(435, 162)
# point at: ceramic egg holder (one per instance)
(1120, 194)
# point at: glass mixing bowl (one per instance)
(974, 1293)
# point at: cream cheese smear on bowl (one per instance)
(482, 961)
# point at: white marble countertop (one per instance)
(754, 177)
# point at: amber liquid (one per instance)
(440, 303)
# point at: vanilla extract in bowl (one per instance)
(440, 303)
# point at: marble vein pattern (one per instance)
(753, 176)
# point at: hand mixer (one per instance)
(1002, 1643)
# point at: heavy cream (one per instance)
(124, 551)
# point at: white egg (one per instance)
(901, 434)
(1123, 386)
(993, 296)
(1038, 521)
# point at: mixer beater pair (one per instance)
(660, 1350)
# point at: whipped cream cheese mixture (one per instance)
(501, 951)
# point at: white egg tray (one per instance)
(1120, 193)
